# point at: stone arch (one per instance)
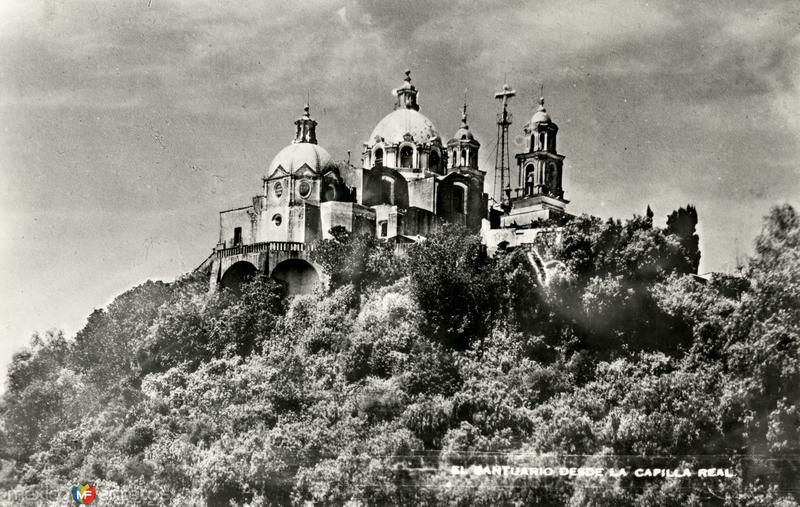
(236, 275)
(299, 276)
(383, 185)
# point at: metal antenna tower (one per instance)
(502, 164)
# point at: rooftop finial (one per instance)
(408, 75)
(541, 97)
(464, 112)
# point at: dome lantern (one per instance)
(306, 128)
(407, 94)
(303, 151)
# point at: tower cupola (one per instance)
(540, 116)
(541, 132)
(463, 147)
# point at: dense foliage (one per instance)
(368, 392)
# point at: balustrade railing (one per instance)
(272, 246)
(285, 246)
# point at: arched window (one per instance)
(330, 192)
(464, 160)
(530, 179)
(406, 156)
(378, 157)
(387, 190)
(459, 199)
(433, 161)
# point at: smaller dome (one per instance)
(292, 158)
(463, 134)
(541, 116)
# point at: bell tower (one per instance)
(540, 193)
(540, 167)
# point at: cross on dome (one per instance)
(464, 113)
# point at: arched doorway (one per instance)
(299, 276)
(459, 202)
(236, 275)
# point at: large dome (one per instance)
(395, 125)
(295, 155)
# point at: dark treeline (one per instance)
(410, 364)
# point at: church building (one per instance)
(409, 181)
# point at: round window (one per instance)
(278, 189)
(304, 189)
(276, 219)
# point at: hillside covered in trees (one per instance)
(368, 393)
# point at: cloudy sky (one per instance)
(126, 125)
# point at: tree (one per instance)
(451, 281)
(358, 259)
(369, 393)
(41, 397)
(683, 223)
